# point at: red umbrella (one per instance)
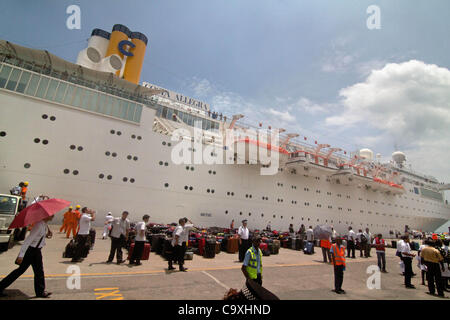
(38, 211)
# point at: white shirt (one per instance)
(39, 231)
(368, 236)
(109, 218)
(243, 232)
(400, 245)
(406, 249)
(140, 226)
(351, 235)
(310, 235)
(182, 233)
(334, 234)
(120, 226)
(85, 224)
(358, 236)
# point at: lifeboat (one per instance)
(297, 158)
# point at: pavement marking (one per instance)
(114, 292)
(216, 280)
(193, 269)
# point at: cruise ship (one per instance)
(91, 133)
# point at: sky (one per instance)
(312, 67)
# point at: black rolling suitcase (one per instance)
(223, 244)
(299, 244)
(289, 242)
(70, 249)
(394, 244)
(167, 249)
(210, 249)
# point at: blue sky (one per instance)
(312, 67)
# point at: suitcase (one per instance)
(299, 245)
(217, 247)
(167, 249)
(201, 246)
(273, 249)
(232, 245)
(265, 253)
(276, 243)
(289, 243)
(70, 249)
(394, 244)
(223, 244)
(210, 249)
(145, 252)
(264, 247)
(284, 243)
(308, 248)
(85, 251)
(92, 234)
(189, 255)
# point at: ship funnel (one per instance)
(399, 158)
(366, 154)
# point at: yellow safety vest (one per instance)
(252, 268)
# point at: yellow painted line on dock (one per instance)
(113, 293)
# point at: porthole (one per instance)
(274, 216)
(52, 118)
(66, 171)
(166, 164)
(80, 148)
(163, 143)
(114, 154)
(228, 193)
(109, 177)
(135, 158)
(139, 137)
(129, 157)
(160, 163)
(240, 213)
(187, 167)
(192, 168)
(119, 133)
(125, 179)
(209, 171)
(214, 172)
(249, 214)
(72, 147)
(27, 165)
(185, 187)
(37, 140)
(2, 133)
(208, 190)
(112, 131)
(262, 215)
(169, 144)
(190, 188)
(226, 211)
(212, 191)
(44, 141)
(107, 153)
(101, 176)
(133, 136)
(75, 172)
(44, 116)
(292, 218)
(232, 193)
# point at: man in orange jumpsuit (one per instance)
(72, 224)
(65, 220)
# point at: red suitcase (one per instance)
(145, 253)
(264, 246)
(201, 246)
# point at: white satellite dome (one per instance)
(399, 157)
(366, 154)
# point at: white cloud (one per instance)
(337, 59)
(408, 103)
(283, 116)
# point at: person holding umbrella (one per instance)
(40, 214)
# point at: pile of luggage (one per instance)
(72, 245)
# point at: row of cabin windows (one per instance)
(189, 119)
(51, 89)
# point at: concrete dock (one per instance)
(290, 275)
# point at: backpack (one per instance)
(363, 238)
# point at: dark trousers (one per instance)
(137, 251)
(434, 276)
(368, 248)
(258, 279)
(178, 252)
(326, 253)
(381, 257)
(32, 257)
(408, 270)
(116, 246)
(243, 249)
(338, 277)
(351, 247)
(81, 246)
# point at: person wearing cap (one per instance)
(30, 254)
(72, 223)
(140, 241)
(243, 233)
(108, 220)
(252, 266)
(338, 258)
(65, 224)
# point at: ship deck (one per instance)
(290, 275)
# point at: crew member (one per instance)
(83, 235)
(140, 241)
(368, 245)
(351, 242)
(252, 266)
(179, 242)
(338, 258)
(325, 244)
(119, 236)
(407, 257)
(24, 190)
(72, 223)
(310, 237)
(66, 218)
(30, 254)
(108, 221)
(243, 233)
(380, 245)
(432, 258)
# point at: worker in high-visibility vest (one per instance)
(65, 224)
(252, 266)
(72, 223)
(338, 257)
(24, 190)
(325, 244)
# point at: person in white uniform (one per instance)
(139, 241)
(179, 242)
(87, 216)
(244, 243)
(108, 221)
(30, 254)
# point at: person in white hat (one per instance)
(108, 221)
